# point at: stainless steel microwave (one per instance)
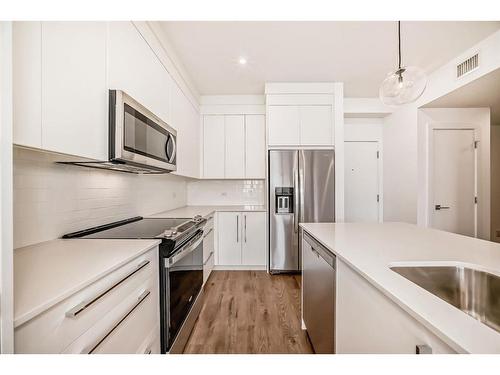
(139, 141)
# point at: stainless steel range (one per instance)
(181, 268)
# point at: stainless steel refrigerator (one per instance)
(301, 190)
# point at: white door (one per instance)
(283, 125)
(255, 146)
(361, 182)
(254, 239)
(316, 125)
(453, 181)
(213, 146)
(235, 146)
(229, 238)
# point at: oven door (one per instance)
(184, 279)
(139, 137)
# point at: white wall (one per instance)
(401, 169)
(495, 181)
(53, 199)
(6, 248)
(226, 192)
(400, 165)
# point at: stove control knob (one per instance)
(197, 218)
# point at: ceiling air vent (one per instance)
(468, 65)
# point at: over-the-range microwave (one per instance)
(139, 141)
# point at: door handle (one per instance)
(438, 207)
(237, 228)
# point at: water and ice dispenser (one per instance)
(284, 200)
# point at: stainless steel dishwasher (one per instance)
(318, 294)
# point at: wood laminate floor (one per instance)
(249, 312)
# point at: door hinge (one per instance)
(475, 144)
(475, 200)
(378, 198)
(378, 155)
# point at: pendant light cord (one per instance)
(399, 44)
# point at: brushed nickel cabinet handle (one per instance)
(91, 348)
(75, 311)
(245, 228)
(237, 228)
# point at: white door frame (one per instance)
(6, 216)
(380, 176)
(430, 166)
(445, 118)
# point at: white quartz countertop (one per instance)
(370, 249)
(49, 272)
(191, 211)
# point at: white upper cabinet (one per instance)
(213, 146)
(74, 96)
(134, 68)
(255, 146)
(300, 125)
(27, 83)
(283, 125)
(235, 146)
(316, 125)
(186, 120)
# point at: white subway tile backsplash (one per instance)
(53, 199)
(226, 192)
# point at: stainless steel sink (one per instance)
(476, 293)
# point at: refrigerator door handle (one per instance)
(295, 200)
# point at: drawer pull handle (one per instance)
(91, 348)
(209, 256)
(207, 233)
(73, 313)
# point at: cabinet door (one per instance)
(255, 146)
(316, 125)
(254, 239)
(229, 238)
(134, 68)
(283, 125)
(27, 83)
(74, 97)
(235, 146)
(185, 119)
(213, 146)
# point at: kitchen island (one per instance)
(380, 311)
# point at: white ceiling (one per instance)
(359, 53)
(482, 92)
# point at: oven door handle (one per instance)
(194, 243)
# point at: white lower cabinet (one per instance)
(369, 322)
(116, 314)
(241, 239)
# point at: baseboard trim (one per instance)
(239, 268)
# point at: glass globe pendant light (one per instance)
(405, 85)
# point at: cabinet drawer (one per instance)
(124, 329)
(208, 266)
(56, 328)
(208, 245)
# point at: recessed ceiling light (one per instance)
(242, 61)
